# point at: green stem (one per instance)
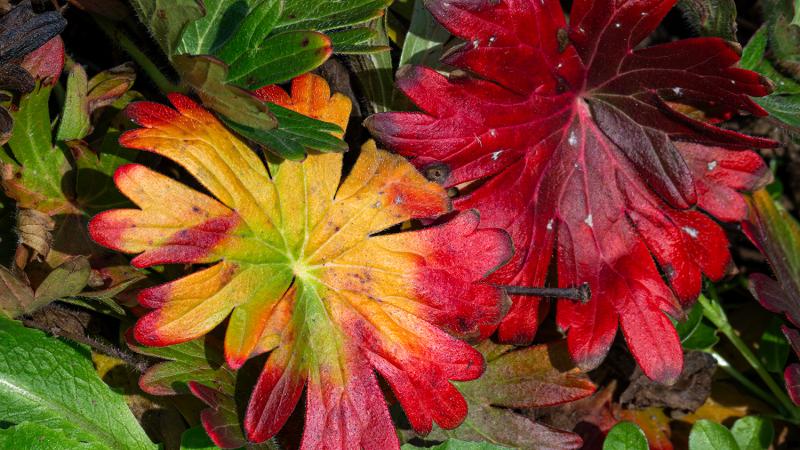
(738, 376)
(713, 311)
(147, 65)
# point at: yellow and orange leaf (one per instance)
(299, 265)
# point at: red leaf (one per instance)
(792, 373)
(584, 155)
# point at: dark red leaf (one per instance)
(584, 153)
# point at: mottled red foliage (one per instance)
(603, 162)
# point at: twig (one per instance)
(581, 293)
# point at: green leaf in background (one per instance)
(784, 33)
(784, 103)
(707, 435)
(715, 18)
(53, 384)
(195, 438)
(33, 436)
(530, 377)
(777, 235)
(424, 42)
(694, 332)
(166, 19)
(625, 436)
(773, 348)
(40, 165)
(66, 280)
(15, 294)
(753, 433)
(455, 444)
(198, 367)
(375, 72)
(75, 119)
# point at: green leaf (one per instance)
(707, 435)
(455, 444)
(54, 384)
(296, 134)
(41, 167)
(66, 280)
(207, 34)
(75, 120)
(279, 59)
(625, 436)
(424, 42)
(255, 27)
(694, 332)
(773, 348)
(15, 294)
(753, 433)
(166, 19)
(715, 18)
(195, 438)
(33, 436)
(530, 377)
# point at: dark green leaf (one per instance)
(375, 71)
(707, 435)
(54, 384)
(694, 332)
(625, 436)
(773, 349)
(195, 438)
(252, 31)
(753, 433)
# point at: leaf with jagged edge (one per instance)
(298, 266)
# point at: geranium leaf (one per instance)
(53, 384)
(777, 235)
(296, 266)
(531, 377)
(584, 156)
